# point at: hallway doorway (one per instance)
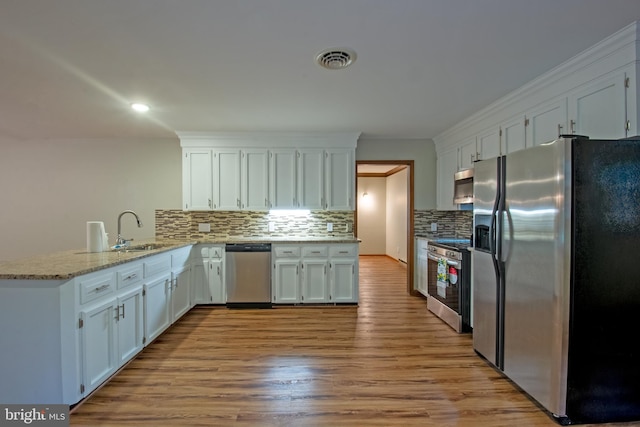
(384, 215)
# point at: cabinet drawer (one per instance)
(216, 252)
(343, 251)
(286, 251)
(95, 286)
(157, 265)
(315, 251)
(129, 275)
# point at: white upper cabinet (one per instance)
(468, 154)
(226, 179)
(488, 144)
(283, 179)
(513, 135)
(197, 179)
(311, 178)
(339, 179)
(255, 179)
(546, 123)
(595, 94)
(265, 171)
(598, 110)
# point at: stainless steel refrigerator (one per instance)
(555, 275)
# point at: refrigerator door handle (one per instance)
(506, 242)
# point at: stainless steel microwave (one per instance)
(463, 187)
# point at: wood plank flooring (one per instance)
(385, 362)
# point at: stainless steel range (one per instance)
(449, 282)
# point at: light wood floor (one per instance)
(386, 362)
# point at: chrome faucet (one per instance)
(120, 239)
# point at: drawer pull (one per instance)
(102, 288)
(343, 252)
(131, 276)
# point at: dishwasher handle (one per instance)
(248, 247)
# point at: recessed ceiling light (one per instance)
(140, 108)
(336, 58)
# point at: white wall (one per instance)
(421, 151)
(50, 188)
(372, 215)
(397, 211)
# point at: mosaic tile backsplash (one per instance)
(183, 225)
(457, 224)
(178, 224)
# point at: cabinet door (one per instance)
(311, 179)
(339, 179)
(286, 281)
(216, 282)
(180, 294)
(468, 154)
(314, 281)
(283, 179)
(489, 144)
(545, 124)
(157, 296)
(200, 282)
(513, 135)
(343, 280)
(99, 344)
(130, 324)
(197, 183)
(599, 109)
(447, 167)
(255, 179)
(226, 179)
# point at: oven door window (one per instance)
(447, 294)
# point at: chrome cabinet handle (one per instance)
(573, 126)
(560, 129)
(102, 288)
(131, 276)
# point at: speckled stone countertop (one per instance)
(65, 265)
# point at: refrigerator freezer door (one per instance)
(485, 280)
(536, 228)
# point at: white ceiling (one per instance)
(70, 68)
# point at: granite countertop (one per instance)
(65, 265)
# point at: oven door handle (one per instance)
(449, 261)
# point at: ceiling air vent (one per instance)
(336, 59)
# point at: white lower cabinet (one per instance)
(315, 274)
(207, 275)
(130, 324)
(99, 344)
(180, 293)
(157, 293)
(111, 334)
(314, 281)
(343, 276)
(286, 281)
(422, 265)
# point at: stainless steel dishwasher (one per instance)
(248, 275)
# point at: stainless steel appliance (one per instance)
(248, 275)
(557, 232)
(448, 282)
(463, 187)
